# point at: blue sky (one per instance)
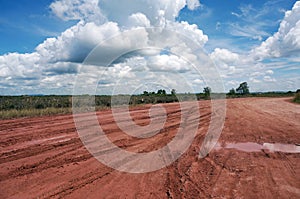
(237, 33)
(26, 24)
(221, 21)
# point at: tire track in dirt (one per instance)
(53, 161)
(59, 167)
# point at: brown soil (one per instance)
(44, 157)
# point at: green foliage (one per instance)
(34, 102)
(31, 106)
(232, 92)
(243, 89)
(161, 92)
(297, 97)
(263, 94)
(207, 91)
(173, 92)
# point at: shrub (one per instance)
(297, 98)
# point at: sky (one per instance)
(45, 45)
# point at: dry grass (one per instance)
(9, 114)
(13, 113)
(297, 98)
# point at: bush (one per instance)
(297, 98)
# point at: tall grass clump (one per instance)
(297, 98)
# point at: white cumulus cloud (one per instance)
(154, 10)
(87, 10)
(56, 61)
(138, 20)
(285, 42)
(193, 4)
(75, 43)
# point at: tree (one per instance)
(243, 88)
(232, 91)
(146, 93)
(161, 92)
(173, 92)
(207, 91)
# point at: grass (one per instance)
(297, 98)
(13, 113)
(36, 106)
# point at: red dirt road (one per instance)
(44, 157)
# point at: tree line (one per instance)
(147, 97)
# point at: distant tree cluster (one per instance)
(243, 89)
(159, 92)
(173, 92)
(207, 92)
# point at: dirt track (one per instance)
(44, 157)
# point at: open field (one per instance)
(43, 157)
(36, 106)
